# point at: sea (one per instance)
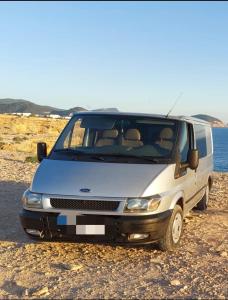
(220, 138)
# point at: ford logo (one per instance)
(85, 190)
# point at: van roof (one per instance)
(117, 113)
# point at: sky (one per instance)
(135, 56)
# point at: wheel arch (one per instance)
(181, 202)
(210, 182)
(178, 199)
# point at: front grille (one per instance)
(100, 205)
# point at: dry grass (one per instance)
(22, 133)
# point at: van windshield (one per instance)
(117, 138)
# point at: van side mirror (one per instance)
(41, 151)
(193, 159)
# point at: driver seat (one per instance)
(132, 138)
(166, 139)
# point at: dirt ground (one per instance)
(28, 269)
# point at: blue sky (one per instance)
(137, 56)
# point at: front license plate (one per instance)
(81, 229)
(90, 229)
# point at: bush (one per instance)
(31, 159)
(19, 139)
(2, 144)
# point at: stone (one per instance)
(175, 282)
(41, 292)
(223, 254)
(26, 292)
(74, 267)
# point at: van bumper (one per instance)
(117, 228)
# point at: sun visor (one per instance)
(97, 122)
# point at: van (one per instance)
(120, 177)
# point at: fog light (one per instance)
(33, 232)
(138, 236)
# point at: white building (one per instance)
(54, 116)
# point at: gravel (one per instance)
(29, 269)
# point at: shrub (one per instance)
(18, 139)
(2, 144)
(31, 159)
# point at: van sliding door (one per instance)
(204, 146)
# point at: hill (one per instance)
(67, 112)
(9, 105)
(214, 121)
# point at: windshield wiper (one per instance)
(68, 150)
(80, 153)
(104, 156)
(147, 158)
(97, 157)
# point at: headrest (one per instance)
(110, 134)
(166, 133)
(133, 134)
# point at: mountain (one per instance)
(10, 101)
(214, 121)
(9, 105)
(67, 112)
(110, 109)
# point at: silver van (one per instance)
(120, 177)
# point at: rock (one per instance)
(175, 282)
(47, 273)
(26, 292)
(223, 254)
(155, 260)
(41, 292)
(74, 267)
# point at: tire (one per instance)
(173, 233)
(202, 205)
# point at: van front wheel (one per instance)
(174, 230)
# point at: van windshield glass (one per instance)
(117, 137)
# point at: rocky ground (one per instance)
(28, 269)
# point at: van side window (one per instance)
(201, 142)
(184, 142)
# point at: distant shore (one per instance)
(220, 126)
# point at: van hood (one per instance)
(102, 179)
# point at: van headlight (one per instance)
(142, 204)
(32, 200)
